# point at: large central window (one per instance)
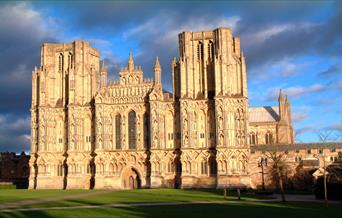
(132, 136)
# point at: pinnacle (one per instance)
(103, 67)
(157, 64)
(130, 64)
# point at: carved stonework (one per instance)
(88, 132)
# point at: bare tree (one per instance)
(278, 169)
(296, 136)
(328, 135)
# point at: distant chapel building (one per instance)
(91, 133)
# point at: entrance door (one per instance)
(131, 179)
(131, 182)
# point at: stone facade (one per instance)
(88, 132)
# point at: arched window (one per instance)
(147, 130)
(201, 128)
(200, 51)
(60, 62)
(189, 167)
(211, 50)
(59, 170)
(169, 166)
(268, 138)
(204, 167)
(233, 165)
(132, 139)
(252, 138)
(70, 57)
(118, 131)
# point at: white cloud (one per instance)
(297, 91)
(21, 18)
(288, 70)
(168, 28)
(274, 30)
(294, 91)
(299, 116)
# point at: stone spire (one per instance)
(103, 75)
(287, 100)
(280, 97)
(103, 67)
(157, 71)
(282, 106)
(130, 64)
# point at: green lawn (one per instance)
(136, 196)
(12, 195)
(242, 208)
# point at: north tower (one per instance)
(210, 88)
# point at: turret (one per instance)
(280, 97)
(157, 72)
(130, 64)
(288, 109)
(103, 75)
(282, 111)
(284, 127)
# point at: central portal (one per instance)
(131, 179)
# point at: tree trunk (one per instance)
(281, 186)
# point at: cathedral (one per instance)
(90, 133)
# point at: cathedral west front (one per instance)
(88, 132)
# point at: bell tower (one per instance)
(63, 88)
(210, 89)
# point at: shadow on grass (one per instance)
(237, 209)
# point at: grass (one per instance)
(7, 186)
(13, 195)
(238, 209)
(145, 195)
(224, 209)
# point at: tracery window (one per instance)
(170, 166)
(204, 167)
(132, 139)
(211, 50)
(60, 62)
(118, 131)
(147, 130)
(59, 170)
(252, 138)
(70, 57)
(233, 165)
(200, 51)
(268, 138)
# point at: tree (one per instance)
(335, 170)
(303, 178)
(328, 135)
(278, 169)
(325, 135)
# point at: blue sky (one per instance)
(293, 46)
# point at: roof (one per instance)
(298, 146)
(263, 114)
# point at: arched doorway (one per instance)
(131, 179)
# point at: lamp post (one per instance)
(324, 179)
(262, 162)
